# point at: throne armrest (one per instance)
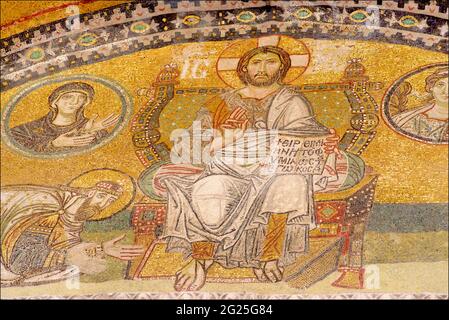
(345, 194)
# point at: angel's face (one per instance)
(440, 91)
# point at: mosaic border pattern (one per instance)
(243, 296)
(148, 24)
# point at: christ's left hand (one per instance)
(331, 143)
(237, 120)
(123, 252)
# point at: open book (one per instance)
(279, 152)
(298, 152)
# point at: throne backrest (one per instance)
(346, 106)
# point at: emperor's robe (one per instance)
(230, 204)
(39, 235)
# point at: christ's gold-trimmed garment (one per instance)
(230, 205)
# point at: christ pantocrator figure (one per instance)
(230, 214)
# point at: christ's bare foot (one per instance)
(273, 271)
(260, 275)
(193, 275)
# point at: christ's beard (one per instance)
(86, 211)
(263, 81)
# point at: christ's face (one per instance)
(71, 102)
(263, 69)
(440, 91)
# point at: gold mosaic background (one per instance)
(411, 172)
(13, 10)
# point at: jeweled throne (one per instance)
(336, 243)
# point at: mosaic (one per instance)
(421, 122)
(64, 129)
(224, 149)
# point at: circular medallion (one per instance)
(416, 104)
(63, 116)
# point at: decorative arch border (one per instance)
(113, 32)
